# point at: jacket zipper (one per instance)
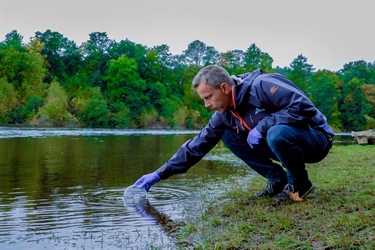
(242, 122)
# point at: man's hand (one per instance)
(147, 181)
(254, 137)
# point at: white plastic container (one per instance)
(133, 192)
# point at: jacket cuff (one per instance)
(164, 171)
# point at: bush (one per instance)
(95, 114)
(148, 118)
(8, 100)
(119, 116)
(181, 116)
(55, 109)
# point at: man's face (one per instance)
(216, 99)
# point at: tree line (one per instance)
(50, 81)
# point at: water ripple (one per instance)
(96, 214)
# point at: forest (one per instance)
(51, 81)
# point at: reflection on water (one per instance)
(63, 188)
(343, 139)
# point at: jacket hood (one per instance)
(243, 85)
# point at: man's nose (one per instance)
(207, 104)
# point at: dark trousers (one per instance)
(291, 146)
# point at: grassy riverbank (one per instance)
(339, 215)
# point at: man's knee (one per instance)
(275, 134)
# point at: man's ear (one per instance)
(225, 87)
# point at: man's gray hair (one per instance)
(212, 75)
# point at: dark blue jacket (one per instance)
(260, 101)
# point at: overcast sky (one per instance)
(329, 33)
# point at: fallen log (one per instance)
(364, 137)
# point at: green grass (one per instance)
(340, 214)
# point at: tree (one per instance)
(55, 109)
(371, 68)
(301, 73)
(125, 85)
(353, 107)
(8, 100)
(34, 71)
(369, 92)
(199, 54)
(325, 94)
(164, 63)
(96, 112)
(255, 59)
(211, 56)
(11, 65)
(266, 63)
(62, 55)
(96, 57)
(14, 39)
(359, 69)
(233, 61)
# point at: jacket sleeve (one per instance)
(194, 150)
(287, 103)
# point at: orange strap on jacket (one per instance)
(242, 122)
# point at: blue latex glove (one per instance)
(254, 137)
(147, 181)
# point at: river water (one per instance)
(63, 188)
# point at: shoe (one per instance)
(273, 188)
(290, 192)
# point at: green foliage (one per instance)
(96, 58)
(11, 65)
(125, 85)
(358, 69)
(24, 69)
(129, 82)
(91, 109)
(95, 113)
(188, 118)
(199, 54)
(369, 92)
(14, 39)
(62, 55)
(8, 100)
(325, 94)
(55, 109)
(370, 122)
(254, 59)
(32, 76)
(180, 116)
(119, 116)
(157, 95)
(233, 61)
(25, 113)
(301, 73)
(170, 106)
(354, 107)
(148, 118)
